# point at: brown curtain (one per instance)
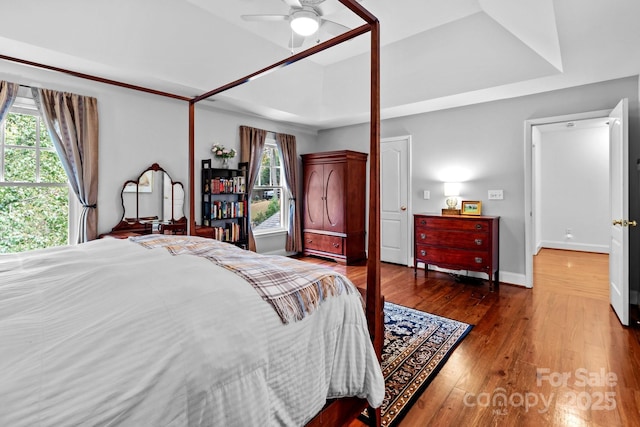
(72, 122)
(251, 147)
(287, 146)
(8, 93)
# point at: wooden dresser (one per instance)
(458, 242)
(334, 205)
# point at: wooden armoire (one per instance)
(334, 205)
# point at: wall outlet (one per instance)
(496, 195)
(426, 195)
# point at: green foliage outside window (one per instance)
(268, 183)
(33, 192)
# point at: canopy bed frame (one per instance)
(339, 411)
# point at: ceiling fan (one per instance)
(305, 19)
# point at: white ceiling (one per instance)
(435, 54)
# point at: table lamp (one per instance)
(451, 191)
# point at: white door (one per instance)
(619, 179)
(394, 200)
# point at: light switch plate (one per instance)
(496, 195)
(426, 195)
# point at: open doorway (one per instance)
(571, 185)
(618, 205)
(571, 206)
(561, 235)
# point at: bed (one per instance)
(169, 337)
(336, 411)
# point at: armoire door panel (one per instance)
(314, 197)
(334, 198)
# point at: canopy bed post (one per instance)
(374, 299)
(192, 162)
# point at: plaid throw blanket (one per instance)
(294, 288)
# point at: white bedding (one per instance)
(111, 333)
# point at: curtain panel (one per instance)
(251, 147)
(72, 122)
(8, 94)
(287, 146)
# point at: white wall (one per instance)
(574, 189)
(485, 142)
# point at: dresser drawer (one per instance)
(324, 243)
(462, 224)
(456, 239)
(456, 259)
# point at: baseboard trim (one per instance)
(572, 246)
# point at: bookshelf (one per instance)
(224, 204)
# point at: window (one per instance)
(269, 195)
(34, 192)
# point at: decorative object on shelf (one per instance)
(471, 207)
(220, 152)
(451, 191)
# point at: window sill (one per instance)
(274, 232)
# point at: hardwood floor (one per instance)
(556, 353)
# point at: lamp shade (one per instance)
(451, 189)
(304, 22)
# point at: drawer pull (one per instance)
(478, 242)
(309, 241)
(422, 235)
(423, 222)
(478, 226)
(423, 252)
(478, 260)
(336, 245)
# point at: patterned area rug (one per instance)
(416, 346)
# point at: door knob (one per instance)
(624, 222)
(403, 208)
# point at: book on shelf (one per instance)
(231, 185)
(229, 232)
(225, 209)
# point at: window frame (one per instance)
(284, 193)
(25, 105)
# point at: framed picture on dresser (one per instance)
(471, 207)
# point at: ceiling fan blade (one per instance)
(293, 3)
(295, 40)
(265, 17)
(333, 28)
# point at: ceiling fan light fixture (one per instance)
(304, 22)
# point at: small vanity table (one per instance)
(153, 203)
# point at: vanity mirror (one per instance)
(153, 203)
